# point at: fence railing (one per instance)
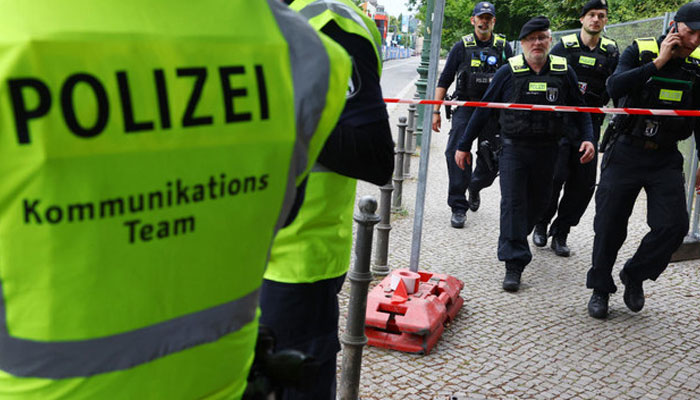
(394, 53)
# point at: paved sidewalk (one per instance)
(538, 343)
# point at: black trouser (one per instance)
(458, 179)
(629, 169)
(526, 186)
(578, 181)
(304, 317)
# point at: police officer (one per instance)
(529, 139)
(149, 155)
(652, 73)
(593, 57)
(310, 257)
(473, 60)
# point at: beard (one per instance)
(592, 32)
(483, 30)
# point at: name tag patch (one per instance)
(537, 87)
(670, 95)
(583, 60)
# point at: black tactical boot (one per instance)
(474, 200)
(539, 235)
(458, 219)
(634, 293)
(598, 305)
(511, 282)
(559, 245)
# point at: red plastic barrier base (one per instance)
(413, 323)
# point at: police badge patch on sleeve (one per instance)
(355, 81)
(582, 86)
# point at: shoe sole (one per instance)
(511, 288)
(596, 316)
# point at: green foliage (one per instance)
(512, 14)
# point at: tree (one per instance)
(512, 14)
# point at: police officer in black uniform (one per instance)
(594, 58)
(652, 73)
(473, 60)
(529, 138)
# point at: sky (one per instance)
(395, 7)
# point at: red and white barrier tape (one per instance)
(539, 107)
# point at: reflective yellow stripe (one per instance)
(476, 63)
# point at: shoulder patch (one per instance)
(570, 41)
(517, 64)
(469, 40)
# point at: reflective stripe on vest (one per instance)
(347, 15)
(144, 175)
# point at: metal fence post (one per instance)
(354, 337)
(381, 254)
(410, 146)
(398, 165)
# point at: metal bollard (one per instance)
(354, 337)
(398, 165)
(410, 146)
(381, 267)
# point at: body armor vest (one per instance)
(592, 67)
(530, 88)
(669, 88)
(476, 71)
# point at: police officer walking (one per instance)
(473, 60)
(147, 162)
(652, 73)
(529, 139)
(594, 58)
(311, 256)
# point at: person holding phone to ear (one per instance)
(646, 156)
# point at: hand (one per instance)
(436, 122)
(697, 182)
(462, 158)
(666, 51)
(588, 152)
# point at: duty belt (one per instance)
(643, 143)
(530, 142)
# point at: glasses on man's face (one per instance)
(535, 39)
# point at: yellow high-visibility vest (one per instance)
(150, 152)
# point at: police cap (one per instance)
(484, 7)
(539, 23)
(689, 14)
(594, 5)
